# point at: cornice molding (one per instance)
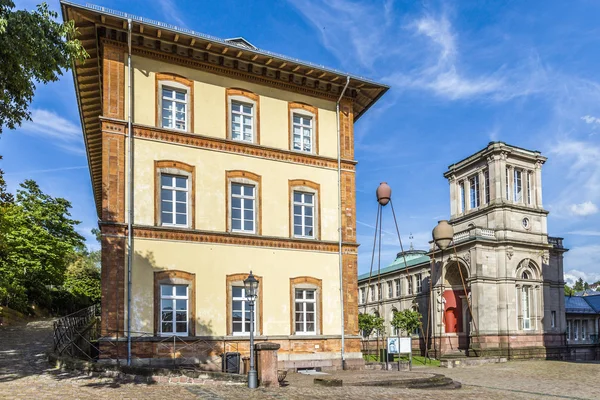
(231, 146)
(197, 236)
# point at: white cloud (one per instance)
(583, 209)
(573, 275)
(60, 131)
(591, 120)
(582, 262)
(171, 12)
(585, 233)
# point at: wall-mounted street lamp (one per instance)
(251, 289)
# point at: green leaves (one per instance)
(34, 47)
(40, 250)
(406, 321)
(369, 323)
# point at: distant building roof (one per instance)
(579, 305)
(413, 257)
(594, 302)
(587, 292)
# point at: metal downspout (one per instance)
(130, 179)
(339, 168)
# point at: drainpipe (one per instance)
(130, 179)
(339, 170)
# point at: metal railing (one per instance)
(70, 331)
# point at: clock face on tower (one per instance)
(526, 223)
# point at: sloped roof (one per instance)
(413, 258)
(578, 305)
(594, 302)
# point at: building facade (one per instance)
(498, 289)
(209, 159)
(583, 325)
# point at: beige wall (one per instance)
(211, 182)
(210, 105)
(211, 263)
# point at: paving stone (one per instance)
(24, 374)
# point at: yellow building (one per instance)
(209, 159)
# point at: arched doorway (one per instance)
(456, 307)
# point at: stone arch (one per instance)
(452, 275)
(527, 269)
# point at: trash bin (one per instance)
(231, 362)
(383, 354)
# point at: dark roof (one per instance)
(578, 305)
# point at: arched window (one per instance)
(525, 275)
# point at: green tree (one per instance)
(34, 47)
(568, 290)
(366, 324)
(40, 241)
(579, 285)
(406, 321)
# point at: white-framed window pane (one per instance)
(302, 132)
(174, 200)
(243, 207)
(305, 310)
(474, 191)
(303, 217)
(174, 310)
(518, 192)
(240, 312)
(174, 108)
(525, 307)
(242, 121)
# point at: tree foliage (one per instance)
(406, 321)
(579, 285)
(568, 290)
(34, 47)
(42, 255)
(369, 323)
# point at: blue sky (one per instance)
(462, 74)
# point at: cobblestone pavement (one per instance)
(24, 374)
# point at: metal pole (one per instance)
(340, 236)
(252, 378)
(130, 178)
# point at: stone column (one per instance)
(454, 207)
(538, 185)
(267, 363)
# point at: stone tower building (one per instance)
(512, 271)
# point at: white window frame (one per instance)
(526, 307)
(174, 174)
(379, 292)
(584, 325)
(362, 295)
(372, 292)
(398, 287)
(576, 329)
(409, 282)
(304, 301)
(248, 102)
(174, 86)
(303, 191)
(390, 289)
(243, 198)
(419, 283)
(303, 114)
(518, 185)
(569, 329)
(474, 191)
(174, 297)
(245, 304)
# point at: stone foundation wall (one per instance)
(293, 353)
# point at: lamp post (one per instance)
(251, 289)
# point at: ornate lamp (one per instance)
(251, 289)
(443, 234)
